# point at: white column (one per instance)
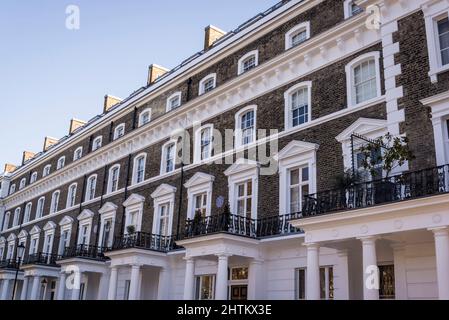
(35, 288)
(400, 274)
(164, 284)
(189, 279)
(370, 269)
(103, 287)
(5, 290)
(342, 284)
(24, 293)
(134, 293)
(60, 294)
(112, 292)
(313, 272)
(256, 289)
(221, 292)
(442, 258)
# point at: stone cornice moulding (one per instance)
(269, 76)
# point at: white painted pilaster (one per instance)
(442, 258)
(112, 293)
(189, 279)
(370, 270)
(313, 272)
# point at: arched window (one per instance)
(91, 186)
(47, 170)
(27, 215)
(119, 131)
(33, 178)
(61, 163)
(71, 195)
(248, 61)
(114, 175)
(6, 221)
(16, 219)
(139, 168)
(297, 35)
(174, 101)
(208, 83)
(40, 208)
(22, 183)
(96, 144)
(144, 117)
(363, 79)
(351, 8)
(298, 105)
(12, 189)
(245, 126)
(78, 154)
(204, 143)
(54, 202)
(168, 157)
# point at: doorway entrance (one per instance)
(239, 292)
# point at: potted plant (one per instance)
(381, 157)
(197, 223)
(131, 229)
(344, 184)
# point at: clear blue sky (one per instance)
(50, 74)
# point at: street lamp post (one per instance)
(20, 250)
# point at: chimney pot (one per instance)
(212, 34)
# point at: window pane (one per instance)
(294, 177)
(305, 174)
(294, 200)
(365, 81)
(301, 284)
(299, 107)
(299, 37)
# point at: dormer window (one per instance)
(297, 35)
(78, 154)
(144, 117)
(47, 170)
(33, 178)
(61, 163)
(248, 61)
(22, 183)
(208, 83)
(174, 101)
(119, 131)
(351, 9)
(96, 144)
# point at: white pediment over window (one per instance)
(134, 199)
(50, 225)
(12, 237)
(163, 190)
(23, 234)
(241, 165)
(86, 214)
(199, 178)
(66, 220)
(108, 207)
(363, 126)
(35, 230)
(294, 148)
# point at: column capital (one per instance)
(311, 246)
(256, 261)
(368, 239)
(223, 255)
(113, 267)
(440, 231)
(343, 253)
(189, 259)
(136, 265)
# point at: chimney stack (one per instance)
(212, 34)
(27, 155)
(48, 142)
(109, 102)
(75, 124)
(154, 72)
(10, 168)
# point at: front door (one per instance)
(239, 292)
(387, 282)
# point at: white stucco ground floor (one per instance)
(396, 251)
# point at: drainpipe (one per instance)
(97, 236)
(83, 198)
(122, 232)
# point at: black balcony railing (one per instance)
(239, 225)
(147, 241)
(85, 252)
(41, 259)
(406, 186)
(8, 264)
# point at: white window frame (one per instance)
(85, 220)
(34, 235)
(61, 163)
(88, 195)
(133, 204)
(110, 176)
(49, 231)
(197, 148)
(40, 208)
(33, 178)
(22, 183)
(432, 15)
(141, 114)
(11, 247)
(288, 117)
(176, 95)
(107, 212)
(199, 282)
(347, 8)
(350, 85)
(241, 171)
(203, 82)
(2, 249)
(12, 189)
(5, 225)
(135, 167)
(238, 125)
(80, 151)
(46, 171)
(305, 26)
(164, 194)
(95, 143)
(27, 213)
(164, 157)
(69, 195)
(16, 218)
(116, 131)
(65, 225)
(54, 210)
(241, 61)
(200, 183)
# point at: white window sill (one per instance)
(433, 74)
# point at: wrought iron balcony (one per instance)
(85, 252)
(146, 241)
(41, 259)
(402, 187)
(9, 264)
(239, 225)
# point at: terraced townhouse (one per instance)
(120, 209)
